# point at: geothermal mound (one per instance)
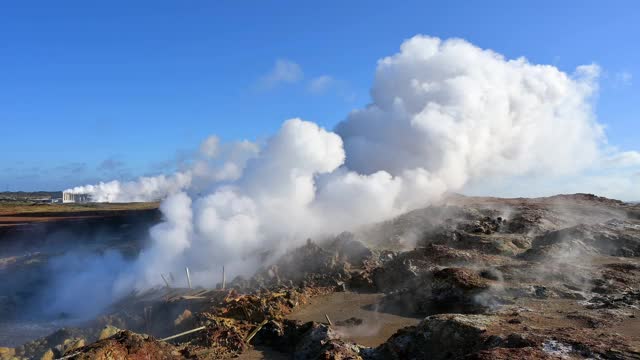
(480, 278)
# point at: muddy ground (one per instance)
(471, 278)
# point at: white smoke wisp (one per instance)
(214, 163)
(443, 113)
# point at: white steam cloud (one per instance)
(460, 112)
(443, 113)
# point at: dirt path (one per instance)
(376, 328)
(262, 353)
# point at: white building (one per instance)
(68, 197)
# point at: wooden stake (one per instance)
(224, 278)
(186, 269)
(70, 356)
(165, 281)
(328, 320)
(147, 317)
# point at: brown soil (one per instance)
(260, 353)
(15, 215)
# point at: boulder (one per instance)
(405, 270)
(615, 238)
(438, 337)
(349, 249)
(107, 332)
(48, 355)
(458, 284)
(7, 353)
(321, 342)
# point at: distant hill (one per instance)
(28, 195)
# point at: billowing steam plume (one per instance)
(443, 113)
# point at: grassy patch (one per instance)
(29, 208)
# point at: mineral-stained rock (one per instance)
(525, 353)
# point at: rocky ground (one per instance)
(471, 278)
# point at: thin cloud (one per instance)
(72, 168)
(110, 165)
(624, 159)
(320, 84)
(30, 176)
(210, 147)
(325, 84)
(624, 77)
(283, 72)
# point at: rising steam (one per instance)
(443, 113)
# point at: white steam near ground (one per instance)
(443, 114)
(143, 189)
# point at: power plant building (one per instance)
(68, 197)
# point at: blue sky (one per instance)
(106, 90)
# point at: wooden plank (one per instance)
(255, 331)
(184, 333)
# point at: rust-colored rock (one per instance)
(128, 345)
